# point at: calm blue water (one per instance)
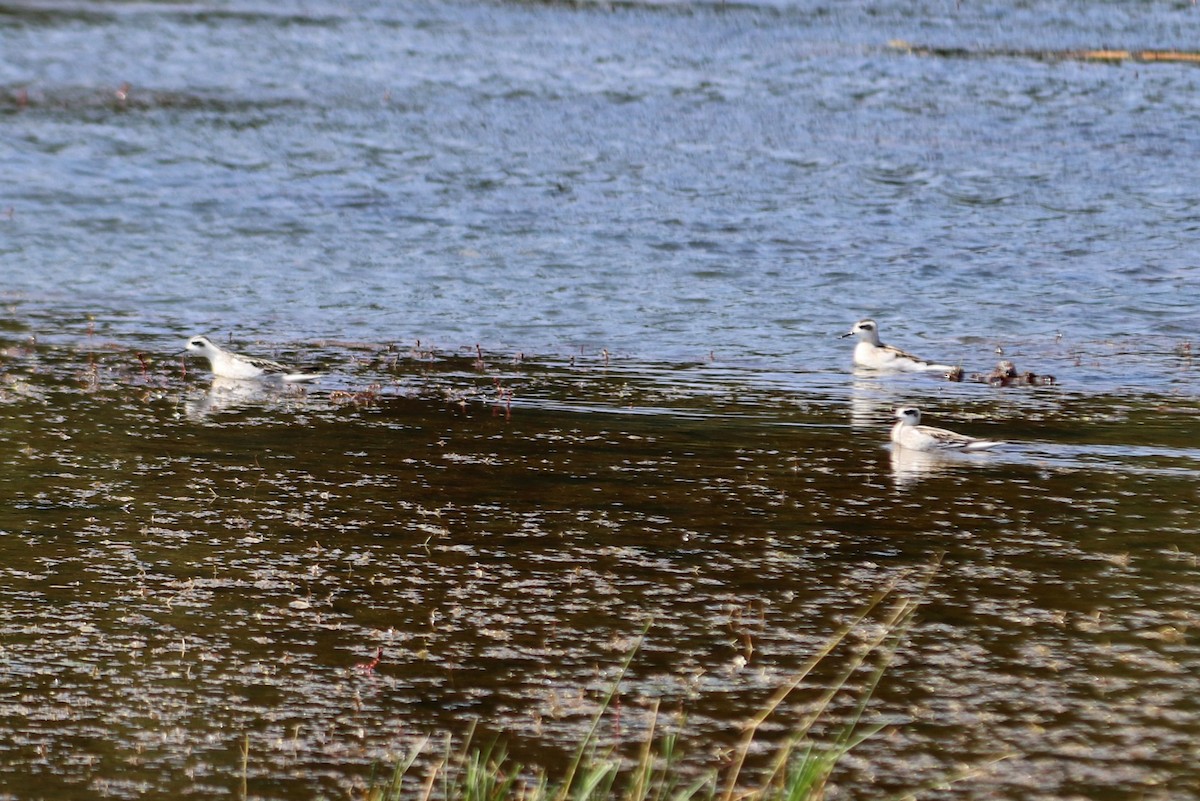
(656, 180)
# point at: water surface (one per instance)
(575, 275)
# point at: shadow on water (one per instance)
(189, 562)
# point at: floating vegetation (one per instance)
(1108, 55)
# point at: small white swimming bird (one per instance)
(227, 364)
(873, 354)
(909, 433)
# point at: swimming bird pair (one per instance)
(908, 432)
(870, 352)
(227, 364)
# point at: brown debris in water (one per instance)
(1003, 375)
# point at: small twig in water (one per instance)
(368, 667)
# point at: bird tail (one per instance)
(297, 378)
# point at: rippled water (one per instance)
(574, 273)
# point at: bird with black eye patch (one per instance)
(227, 364)
(909, 433)
(871, 353)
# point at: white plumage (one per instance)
(909, 433)
(228, 364)
(873, 354)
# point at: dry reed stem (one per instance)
(779, 695)
(434, 770)
(900, 613)
(245, 749)
(644, 756)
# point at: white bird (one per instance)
(871, 353)
(909, 433)
(227, 364)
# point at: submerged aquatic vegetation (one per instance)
(799, 767)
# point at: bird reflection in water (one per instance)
(228, 394)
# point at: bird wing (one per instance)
(266, 365)
(895, 354)
(952, 440)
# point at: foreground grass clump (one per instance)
(798, 770)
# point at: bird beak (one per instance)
(847, 334)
